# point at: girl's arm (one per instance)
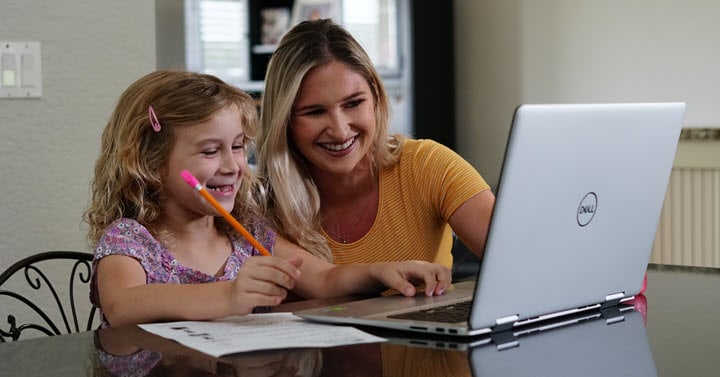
(126, 298)
(321, 279)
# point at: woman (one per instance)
(338, 184)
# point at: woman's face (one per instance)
(333, 121)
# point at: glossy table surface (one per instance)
(672, 331)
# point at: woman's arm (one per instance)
(126, 298)
(471, 221)
(443, 177)
(321, 279)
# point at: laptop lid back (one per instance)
(577, 208)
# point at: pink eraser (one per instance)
(189, 178)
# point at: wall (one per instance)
(91, 51)
(507, 52)
(529, 51)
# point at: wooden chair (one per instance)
(22, 302)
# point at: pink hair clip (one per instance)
(154, 122)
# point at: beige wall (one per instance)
(508, 52)
(511, 52)
(91, 51)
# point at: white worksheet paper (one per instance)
(255, 332)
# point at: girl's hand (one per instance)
(263, 281)
(404, 276)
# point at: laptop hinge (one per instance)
(504, 323)
(505, 340)
(612, 300)
(612, 315)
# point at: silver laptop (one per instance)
(503, 340)
(578, 203)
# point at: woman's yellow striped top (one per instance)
(417, 197)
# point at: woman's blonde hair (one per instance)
(293, 200)
(128, 180)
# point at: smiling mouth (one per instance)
(335, 147)
(223, 188)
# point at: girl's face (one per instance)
(333, 121)
(214, 153)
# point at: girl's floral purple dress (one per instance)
(127, 237)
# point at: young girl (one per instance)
(157, 238)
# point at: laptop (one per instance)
(503, 340)
(577, 206)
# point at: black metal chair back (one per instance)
(465, 263)
(59, 316)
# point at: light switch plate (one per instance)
(20, 70)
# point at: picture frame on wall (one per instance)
(304, 10)
(275, 23)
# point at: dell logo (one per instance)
(586, 209)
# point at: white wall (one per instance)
(511, 52)
(91, 51)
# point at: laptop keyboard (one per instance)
(452, 313)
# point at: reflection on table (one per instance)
(131, 351)
(667, 333)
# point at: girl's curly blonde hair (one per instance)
(128, 172)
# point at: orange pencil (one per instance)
(192, 181)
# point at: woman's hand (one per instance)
(405, 276)
(263, 281)
(322, 279)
